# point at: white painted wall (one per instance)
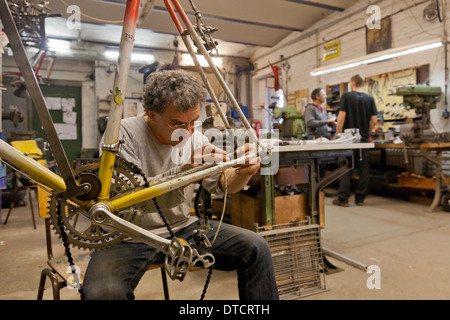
(303, 50)
(77, 70)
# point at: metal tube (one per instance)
(35, 92)
(31, 167)
(205, 81)
(111, 136)
(198, 41)
(187, 172)
(102, 216)
(345, 259)
(197, 64)
(156, 190)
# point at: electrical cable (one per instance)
(93, 18)
(438, 9)
(344, 34)
(224, 206)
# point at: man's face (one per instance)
(321, 97)
(172, 120)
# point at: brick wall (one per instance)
(303, 51)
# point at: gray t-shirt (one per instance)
(159, 160)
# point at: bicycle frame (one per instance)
(65, 186)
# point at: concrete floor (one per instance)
(408, 243)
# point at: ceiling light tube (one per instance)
(186, 59)
(58, 44)
(377, 57)
(135, 57)
(144, 57)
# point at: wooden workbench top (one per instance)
(323, 147)
(441, 145)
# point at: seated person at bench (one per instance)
(172, 101)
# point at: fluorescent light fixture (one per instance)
(186, 59)
(111, 54)
(135, 57)
(57, 44)
(377, 57)
(142, 57)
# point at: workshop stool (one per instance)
(164, 276)
(57, 266)
(57, 273)
(57, 270)
(29, 189)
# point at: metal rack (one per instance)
(298, 259)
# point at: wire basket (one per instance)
(297, 257)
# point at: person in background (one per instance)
(316, 117)
(357, 110)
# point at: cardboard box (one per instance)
(245, 211)
(285, 176)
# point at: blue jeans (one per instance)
(114, 273)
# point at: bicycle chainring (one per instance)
(77, 226)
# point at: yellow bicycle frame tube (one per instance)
(111, 135)
(106, 171)
(31, 167)
(167, 186)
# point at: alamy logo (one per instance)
(74, 280)
(74, 20)
(374, 280)
(374, 21)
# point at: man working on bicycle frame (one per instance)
(172, 100)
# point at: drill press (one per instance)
(422, 99)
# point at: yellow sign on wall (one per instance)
(332, 50)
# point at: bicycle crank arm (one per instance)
(179, 254)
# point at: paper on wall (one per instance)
(132, 108)
(66, 131)
(69, 117)
(53, 103)
(67, 104)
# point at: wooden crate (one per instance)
(245, 211)
(416, 181)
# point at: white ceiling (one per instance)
(244, 25)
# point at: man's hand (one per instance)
(331, 122)
(206, 154)
(252, 166)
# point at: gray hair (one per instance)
(172, 86)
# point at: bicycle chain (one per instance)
(166, 223)
(69, 254)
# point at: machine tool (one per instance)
(422, 99)
(293, 125)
